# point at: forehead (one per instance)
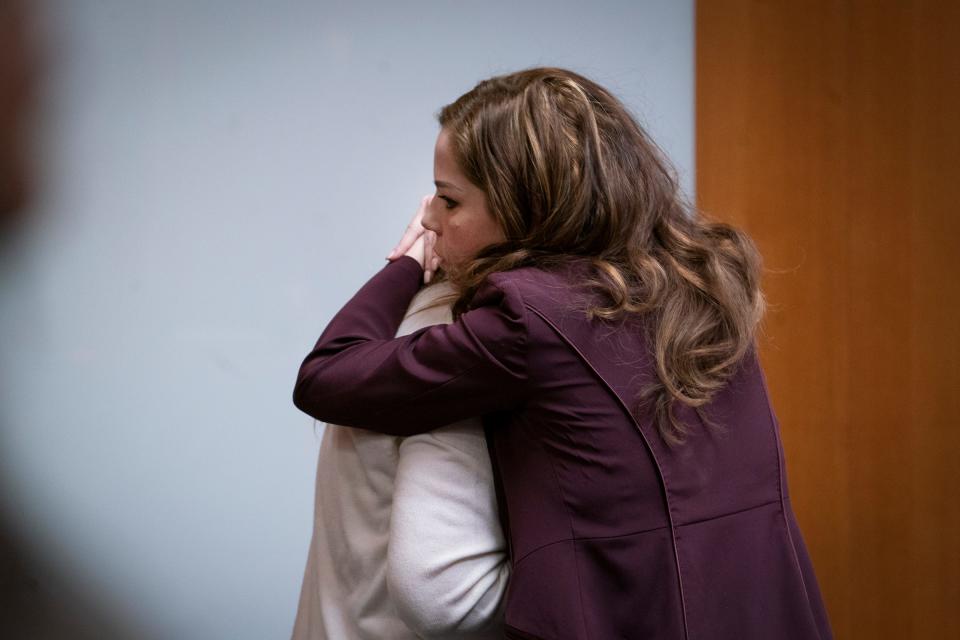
(443, 146)
(444, 159)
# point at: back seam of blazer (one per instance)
(653, 455)
(575, 539)
(593, 538)
(573, 535)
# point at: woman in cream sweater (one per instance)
(406, 540)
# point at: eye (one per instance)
(449, 203)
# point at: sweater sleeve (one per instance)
(447, 566)
(358, 374)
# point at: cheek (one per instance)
(489, 233)
(453, 232)
(456, 241)
(462, 237)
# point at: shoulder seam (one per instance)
(525, 320)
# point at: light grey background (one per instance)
(218, 178)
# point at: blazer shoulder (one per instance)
(540, 287)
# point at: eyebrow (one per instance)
(442, 184)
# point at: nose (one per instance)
(429, 219)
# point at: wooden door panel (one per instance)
(830, 132)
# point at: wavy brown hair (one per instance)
(570, 175)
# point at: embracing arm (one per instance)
(360, 375)
(447, 566)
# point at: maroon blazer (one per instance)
(611, 533)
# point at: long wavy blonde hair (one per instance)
(570, 175)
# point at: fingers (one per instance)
(416, 250)
(409, 237)
(413, 231)
(429, 241)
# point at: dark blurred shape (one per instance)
(17, 80)
(31, 607)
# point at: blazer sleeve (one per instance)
(360, 375)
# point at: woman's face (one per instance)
(458, 212)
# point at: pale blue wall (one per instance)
(219, 177)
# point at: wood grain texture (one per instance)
(830, 131)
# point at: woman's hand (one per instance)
(418, 243)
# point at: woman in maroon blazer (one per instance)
(605, 331)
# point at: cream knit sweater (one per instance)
(406, 540)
